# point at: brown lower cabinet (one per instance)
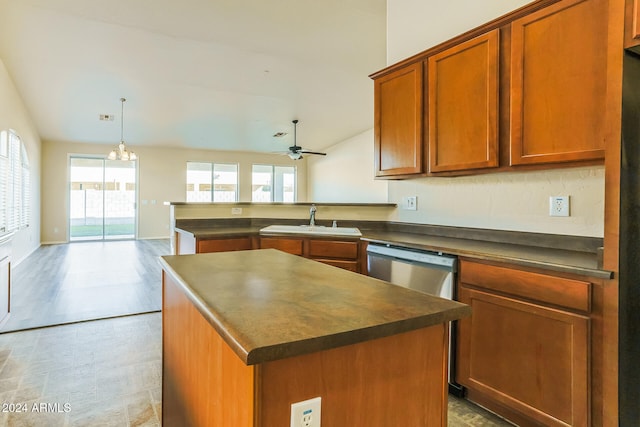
(345, 254)
(525, 351)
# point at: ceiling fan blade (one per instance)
(313, 152)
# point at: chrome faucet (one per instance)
(312, 215)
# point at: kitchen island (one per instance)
(248, 333)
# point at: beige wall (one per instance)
(415, 25)
(301, 212)
(346, 173)
(13, 115)
(506, 201)
(161, 178)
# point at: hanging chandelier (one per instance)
(121, 152)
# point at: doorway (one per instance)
(102, 199)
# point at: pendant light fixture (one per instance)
(121, 152)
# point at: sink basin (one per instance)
(311, 230)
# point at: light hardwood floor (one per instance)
(81, 281)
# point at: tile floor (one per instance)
(98, 373)
(106, 373)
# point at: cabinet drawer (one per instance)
(222, 245)
(569, 293)
(347, 265)
(333, 249)
(292, 246)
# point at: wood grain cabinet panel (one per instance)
(333, 249)
(463, 105)
(558, 83)
(289, 245)
(558, 291)
(635, 22)
(632, 25)
(339, 253)
(529, 357)
(398, 122)
(527, 360)
(224, 245)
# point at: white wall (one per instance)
(13, 115)
(162, 174)
(346, 173)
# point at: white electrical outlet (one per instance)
(410, 203)
(236, 211)
(306, 413)
(559, 206)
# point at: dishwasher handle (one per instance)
(446, 262)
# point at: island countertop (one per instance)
(268, 305)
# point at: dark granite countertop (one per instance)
(269, 305)
(560, 260)
(550, 258)
(213, 232)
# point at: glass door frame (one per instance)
(104, 160)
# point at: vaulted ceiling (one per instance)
(213, 74)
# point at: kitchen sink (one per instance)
(311, 230)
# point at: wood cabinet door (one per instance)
(398, 122)
(558, 83)
(527, 357)
(289, 245)
(632, 25)
(333, 249)
(463, 105)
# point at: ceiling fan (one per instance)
(295, 151)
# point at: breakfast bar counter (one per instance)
(248, 333)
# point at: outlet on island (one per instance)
(306, 413)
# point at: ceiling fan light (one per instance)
(295, 155)
(112, 155)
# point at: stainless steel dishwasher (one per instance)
(429, 272)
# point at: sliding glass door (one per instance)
(102, 199)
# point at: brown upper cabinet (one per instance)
(525, 91)
(398, 122)
(632, 24)
(558, 83)
(463, 105)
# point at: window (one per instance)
(212, 182)
(271, 183)
(15, 183)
